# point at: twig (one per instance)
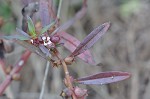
(67, 76)
(2, 65)
(9, 92)
(15, 70)
(44, 80)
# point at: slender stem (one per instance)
(59, 8)
(67, 76)
(16, 69)
(44, 80)
(2, 64)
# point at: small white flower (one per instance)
(43, 38)
(45, 44)
(49, 42)
(31, 41)
(48, 38)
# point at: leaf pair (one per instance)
(31, 27)
(81, 49)
(71, 44)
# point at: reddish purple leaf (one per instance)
(69, 23)
(44, 13)
(33, 49)
(91, 39)
(104, 78)
(71, 43)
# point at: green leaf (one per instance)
(47, 27)
(31, 27)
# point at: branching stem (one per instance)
(67, 76)
(16, 69)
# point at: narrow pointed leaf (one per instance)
(18, 37)
(23, 33)
(33, 49)
(91, 39)
(44, 13)
(47, 27)
(71, 44)
(44, 50)
(31, 27)
(23, 36)
(104, 78)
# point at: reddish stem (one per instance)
(67, 76)
(16, 69)
(2, 64)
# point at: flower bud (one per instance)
(51, 29)
(57, 63)
(38, 27)
(66, 93)
(8, 69)
(55, 39)
(79, 92)
(16, 76)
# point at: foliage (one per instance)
(46, 42)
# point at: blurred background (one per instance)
(125, 47)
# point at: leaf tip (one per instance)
(107, 24)
(128, 74)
